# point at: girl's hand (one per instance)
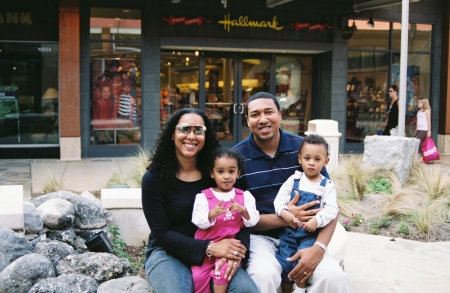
(241, 209)
(429, 134)
(311, 225)
(216, 211)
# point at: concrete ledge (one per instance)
(125, 206)
(337, 247)
(121, 198)
(11, 207)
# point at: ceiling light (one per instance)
(273, 3)
(373, 4)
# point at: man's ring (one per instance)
(305, 273)
(235, 253)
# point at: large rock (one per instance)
(391, 152)
(88, 214)
(24, 272)
(100, 266)
(126, 284)
(57, 213)
(73, 283)
(32, 221)
(66, 235)
(54, 250)
(12, 246)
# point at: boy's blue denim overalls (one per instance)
(292, 240)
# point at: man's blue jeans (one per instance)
(168, 274)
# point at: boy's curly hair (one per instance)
(163, 156)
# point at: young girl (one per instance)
(423, 127)
(312, 186)
(220, 213)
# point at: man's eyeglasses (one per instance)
(186, 129)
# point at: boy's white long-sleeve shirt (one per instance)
(329, 198)
(200, 214)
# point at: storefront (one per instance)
(29, 80)
(139, 62)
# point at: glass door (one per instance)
(225, 99)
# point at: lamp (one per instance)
(50, 100)
(273, 3)
(373, 4)
(370, 22)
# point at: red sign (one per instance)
(311, 27)
(174, 20)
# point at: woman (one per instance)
(392, 117)
(423, 126)
(179, 169)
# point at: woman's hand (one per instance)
(231, 249)
(301, 212)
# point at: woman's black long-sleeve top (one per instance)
(169, 213)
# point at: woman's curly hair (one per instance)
(163, 156)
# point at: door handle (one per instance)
(242, 108)
(234, 108)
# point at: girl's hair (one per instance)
(228, 153)
(426, 104)
(314, 139)
(394, 87)
(163, 156)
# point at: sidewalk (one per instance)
(373, 263)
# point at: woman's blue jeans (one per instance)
(166, 273)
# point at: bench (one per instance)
(125, 206)
(11, 207)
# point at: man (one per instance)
(271, 157)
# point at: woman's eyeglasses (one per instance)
(391, 91)
(186, 129)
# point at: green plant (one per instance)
(374, 228)
(402, 227)
(52, 184)
(116, 179)
(119, 247)
(380, 185)
(346, 225)
(141, 161)
(357, 220)
(384, 222)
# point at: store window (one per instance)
(374, 66)
(293, 91)
(115, 76)
(29, 93)
(179, 74)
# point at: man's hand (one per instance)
(311, 225)
(309, 260)
(301, 212)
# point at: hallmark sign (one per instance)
(245, 21)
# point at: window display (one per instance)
(115, 76)
(29, 93)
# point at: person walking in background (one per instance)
(423, 126)
(312, 187)
(220, 213)
(178, 171)
(271, 157)
(392, 114)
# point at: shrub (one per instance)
(380, 185)
(384, 222)
(141, 161)
(402, 227)
(357, 220)
(119, 247)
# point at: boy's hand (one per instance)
(217, 210)
(311, 225)
(290, 219)
(241, 209)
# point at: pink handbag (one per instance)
(429, 151)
